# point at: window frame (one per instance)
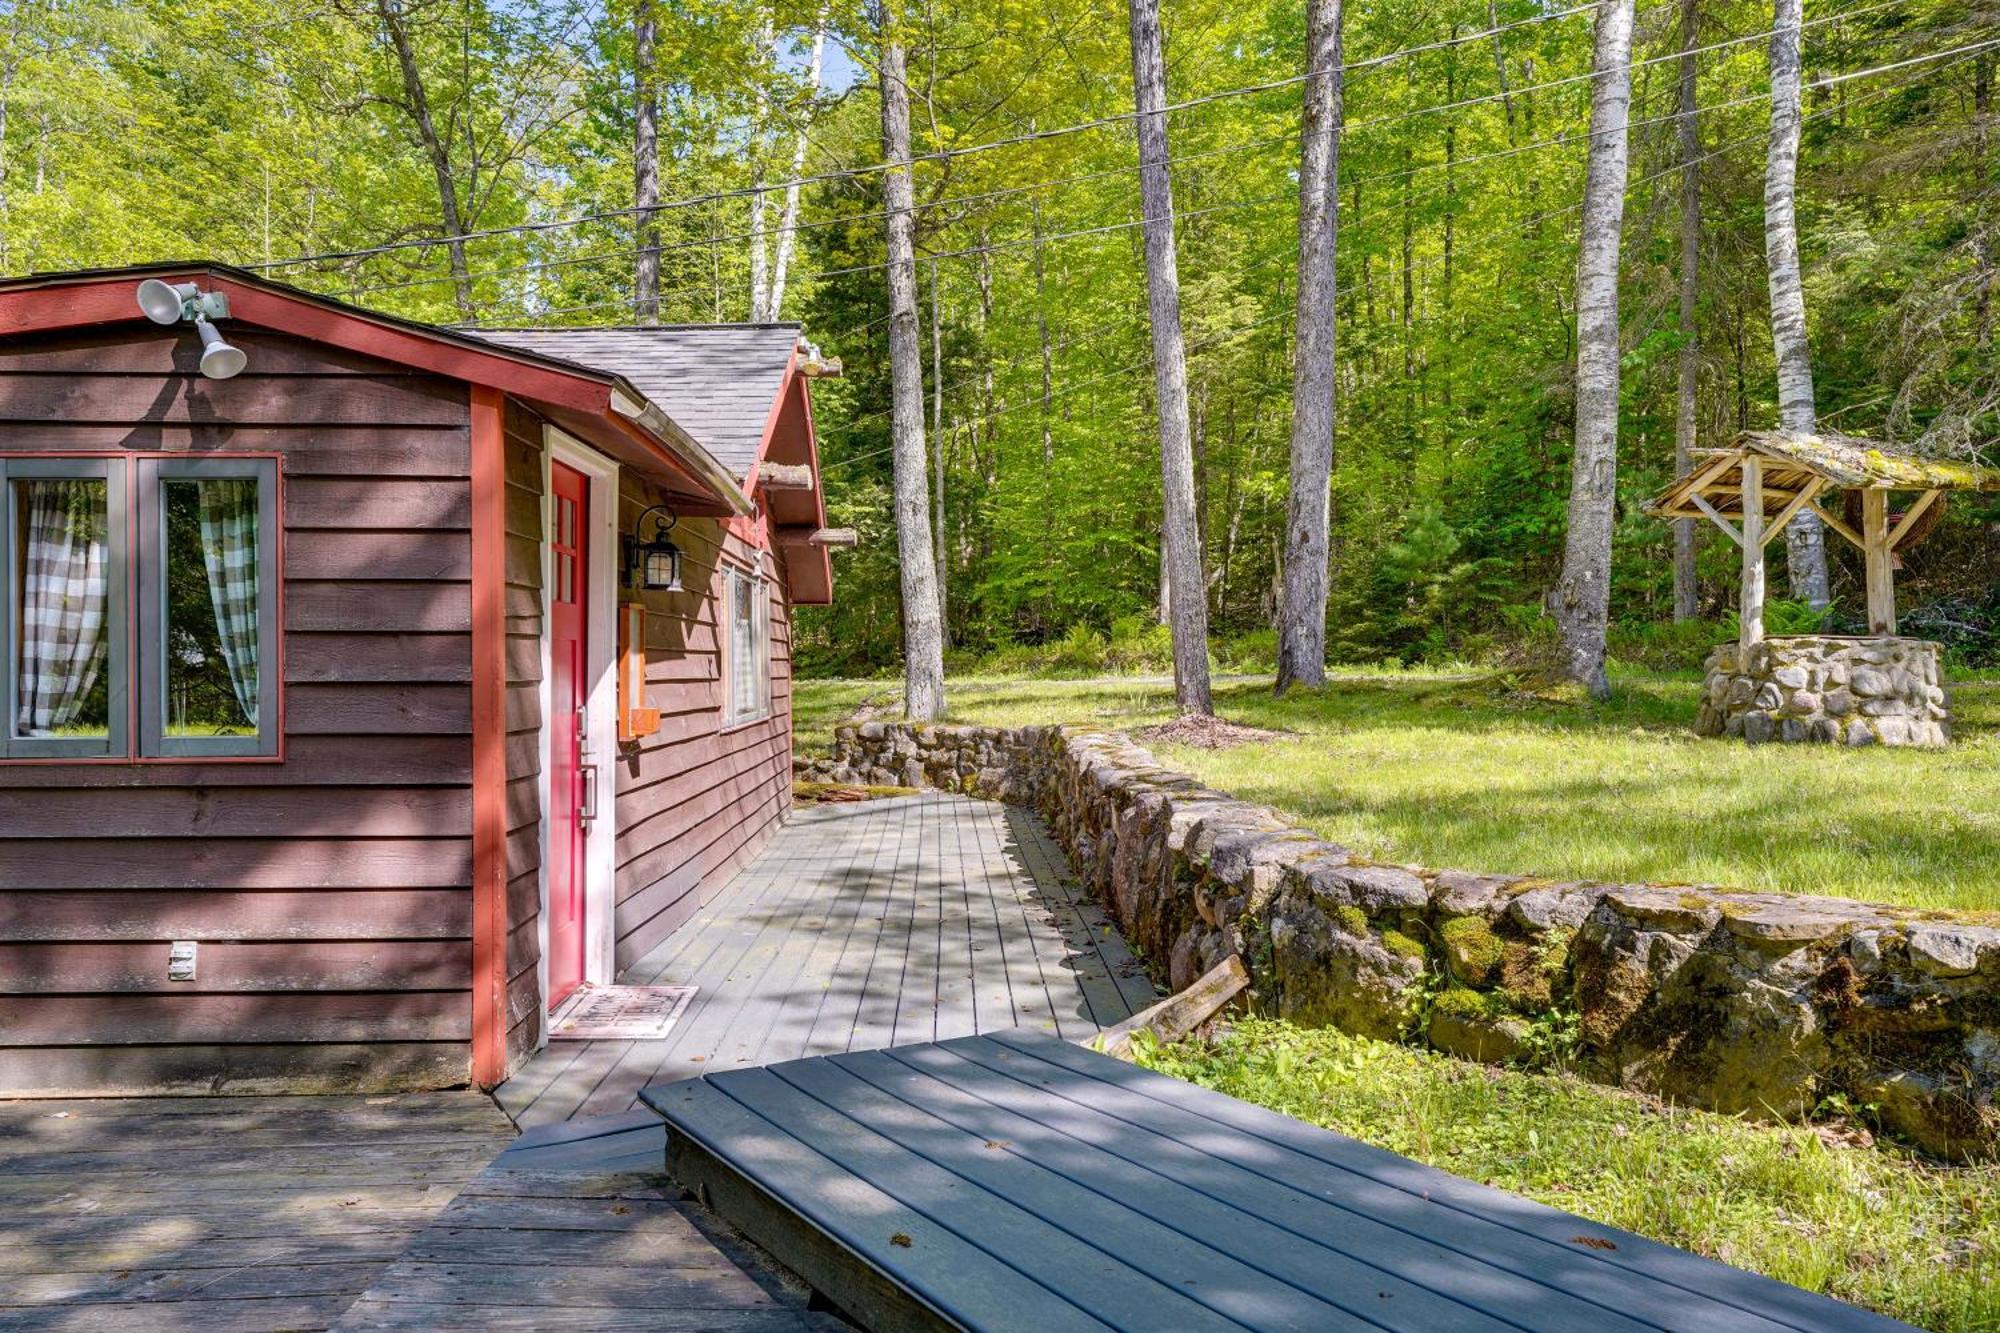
(117, 741)
(136, 608)
(742, 581)
(150, 565)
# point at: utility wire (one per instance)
(1036, 136)
(1016, 243)
(940, 155)
(1394, 272)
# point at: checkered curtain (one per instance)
(229, 548)
(63, 601)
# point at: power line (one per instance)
(940, 155)
(998, 247)
(1533, 219)
(758, 233)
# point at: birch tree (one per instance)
(923, 636)
(769, 303)
(1302, 615)
(645, 164)
(1686, 594)
(1180, 537)
(1805, 539)
(1583, 597)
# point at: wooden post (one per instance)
(1879, 561)
(1750, 613)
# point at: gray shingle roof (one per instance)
(717, 381)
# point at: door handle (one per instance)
(587, 774)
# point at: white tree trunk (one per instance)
(645, 165)
(1686, 593)
(1302, 617)
(788, 221)
(923, 640)
(1187, 590)
(1805, 539)
(1583, 598)
(938, 460)
(760, 255)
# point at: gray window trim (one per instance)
(742, 581)
(117, 743)
(154, 743)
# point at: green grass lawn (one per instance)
(1454, 773)
(1879, 1227)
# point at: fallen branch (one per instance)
(1177, 1015)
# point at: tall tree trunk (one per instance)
(760, 255)
(923, 632)
(1450, 220)
(1583, 598)
(1302, 614)
(1042, 336)
(937, 442)
(1805, 539)
(1686, 594)
(1984, 189)
(416, 102)
(788, 221)
(1500, 68)
(645, 165)
(1186, 591)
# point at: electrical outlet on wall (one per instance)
(180, 960)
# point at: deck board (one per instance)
(861, 926)
(223, 1212)
(577, 1227)
(1024, 1181)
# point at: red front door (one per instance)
(571, 778)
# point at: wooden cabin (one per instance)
(342, 735)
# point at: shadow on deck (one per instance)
(861, 926)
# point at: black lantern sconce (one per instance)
(654, 563)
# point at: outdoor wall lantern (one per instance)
(654, 563)
(172, 302)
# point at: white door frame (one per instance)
(600, 746)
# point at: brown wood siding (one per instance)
(330, 892)
(525, 1013)
(696, 800)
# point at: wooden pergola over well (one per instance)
(1759, 484)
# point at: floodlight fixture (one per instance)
(219, 361)
(166, 302)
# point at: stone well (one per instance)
(1878, 690)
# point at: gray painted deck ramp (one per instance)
(1014, 1180)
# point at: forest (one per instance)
(625, 161)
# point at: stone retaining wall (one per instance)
(1738, 1002)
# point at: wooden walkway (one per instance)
(861, 926)
(222, 1213)
(1015, 1181)
(582, 1237)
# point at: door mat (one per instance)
(619, 1013)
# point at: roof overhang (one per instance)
(789, 438)
(1795, 464)
(601, 409)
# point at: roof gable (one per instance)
(718, 381)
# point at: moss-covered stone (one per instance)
(1464, 1002)
(1352, 920)
(1396, 942)
(1472, 950)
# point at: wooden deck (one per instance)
(222, 1213)
(582, 1237)
(1016, 1181)
(861, 926)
